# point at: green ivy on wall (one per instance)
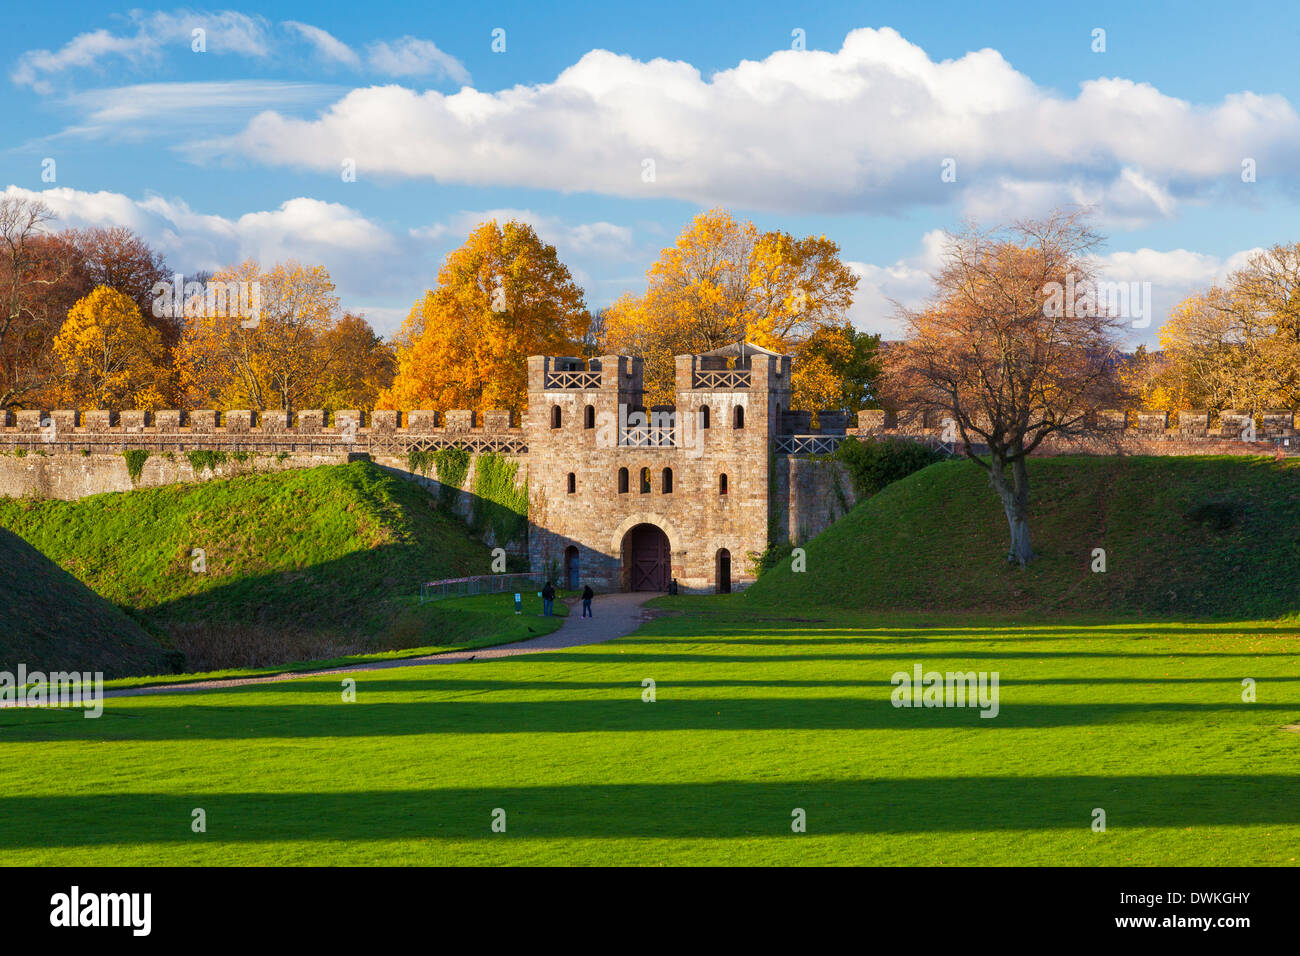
(135, 459)
(205, 458)
(500, 505)
(419, 462)
(453, 467)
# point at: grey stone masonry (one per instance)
(203, 420)
(276, 420)
(239, 421)
(608, 476)
(133, 420)
(311, 420)
(1194, 423)
(1152, 421)
(1233, 423)
(100, 419)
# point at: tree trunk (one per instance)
(1015, 502)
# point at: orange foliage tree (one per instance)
(993, 357)
(274, 359)
(110, 357)
(1233, 345)
(723, 281)
(502, 296)
(359, 365)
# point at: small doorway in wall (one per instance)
(722, 571)
(572, 573)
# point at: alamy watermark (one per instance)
(133, 911)
(56, 689)
(951, 689)
(212, 300)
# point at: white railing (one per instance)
(648, 436)
(807, 444)
(730, 378)
(579, 379)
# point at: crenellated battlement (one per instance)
(388, 431)
(382, 431)
(1228, 425)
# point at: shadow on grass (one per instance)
(815, 637)
(725, 810)
(124, 721)
(433, 685)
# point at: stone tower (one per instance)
(626, 497)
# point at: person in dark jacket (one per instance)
(587, 595)
(548, 599)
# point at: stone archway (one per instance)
(572, 568)
(646, 558)
(722, 571)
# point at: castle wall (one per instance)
(68, 477)
(585, 424)
(810, 495)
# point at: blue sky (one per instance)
(238, 150)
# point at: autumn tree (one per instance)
(851, 360)
(1235, 344)
(994, 355)
(40, 279)
(500, 297)
(109, 356)
(358, 365)
(121, 259)
(273, 359)
(723, 281)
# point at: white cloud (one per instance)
(906, 282)
(411, 56)
(1128, 200)
(600, 240)
(1173, 274)
(152, 35)
(377, 270)
(167, 107)
(326, 44)
(865, 128)
(227, 32)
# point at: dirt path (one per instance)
(615, 616)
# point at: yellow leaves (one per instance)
(815, 385)
(110, 357)
(502, 296)
(723, 281)
(1238, 345)
(295, 350)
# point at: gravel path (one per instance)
(615, 616)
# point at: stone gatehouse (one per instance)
(629, 497)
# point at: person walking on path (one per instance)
(587, 595)
(548, 599)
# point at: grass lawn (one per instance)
(246, 572)
(756, 715)
(454, 624)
